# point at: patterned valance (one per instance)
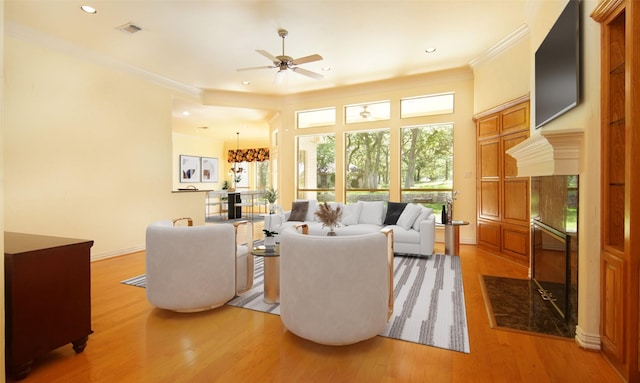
(248, 155)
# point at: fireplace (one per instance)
(554, 242)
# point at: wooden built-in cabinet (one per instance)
(620, 180)
(503, 197)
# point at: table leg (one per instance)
(272, 279)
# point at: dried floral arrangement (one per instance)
(328, 216)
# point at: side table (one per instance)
(47, 282)
(452, 237)
(271, 272)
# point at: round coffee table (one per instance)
(271, 272)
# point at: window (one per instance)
(316, 167)
(430, 105)
(367, 166)
(316, 117)
(262, 171)
(427, 165)
(372, 111)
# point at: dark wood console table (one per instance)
(47, 297)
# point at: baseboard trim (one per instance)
(116, 253)
(588, 341)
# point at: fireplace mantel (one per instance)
(552, 152)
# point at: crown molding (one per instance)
(24, 33)
(502, 45)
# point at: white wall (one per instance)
(88, 151)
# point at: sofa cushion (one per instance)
(299, 211)
(359, 229)
(425, 213)
(372, 212)
(394, 209)
(409, 215)
(351, 214)
(311, 211)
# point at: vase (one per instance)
(269, 242)
(332, 232)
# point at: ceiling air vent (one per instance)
(129, 28)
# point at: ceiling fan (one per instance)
(284, 62)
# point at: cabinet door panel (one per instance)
(489, 200)
(510, 165)
(612, 305)
(490, 156)
(489, 234)
(515, 118)
(515, 241)
(488, 126)
(516, 201)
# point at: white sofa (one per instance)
(414, 232)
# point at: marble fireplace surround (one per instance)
(552, 153)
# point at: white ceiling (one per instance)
(201, 44)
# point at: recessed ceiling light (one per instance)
(246, 83)
(88, 9)
(186, 113)
(326, 68)
(430, 50)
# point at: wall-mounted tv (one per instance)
(557, 67)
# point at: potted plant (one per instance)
(329, 217)
(271, 195)
(269, 238)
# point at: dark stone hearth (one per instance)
(517, 304)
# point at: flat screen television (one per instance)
(557, 67)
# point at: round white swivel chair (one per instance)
(336, 290)
(196, 268)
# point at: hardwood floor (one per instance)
(134, 342)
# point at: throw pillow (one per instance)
(372, 212)
(351, 214)
(311, 211)
(299, 211)
(425, 213)
(394, 209)
(409, 215)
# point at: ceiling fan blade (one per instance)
(256, 67)
(306, 59)
(268, 55)
(307, 73)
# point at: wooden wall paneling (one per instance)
(612, 305)
(515, 118)
(489, 235)
(620, 173)
(503, 197)
(488, 126)
(515, 242)
(516, 202)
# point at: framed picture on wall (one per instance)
(209, 169)
(189, 168)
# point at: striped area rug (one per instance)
(428, 307)
(429, 304)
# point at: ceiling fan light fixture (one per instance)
(284, 62)
(365, 113)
